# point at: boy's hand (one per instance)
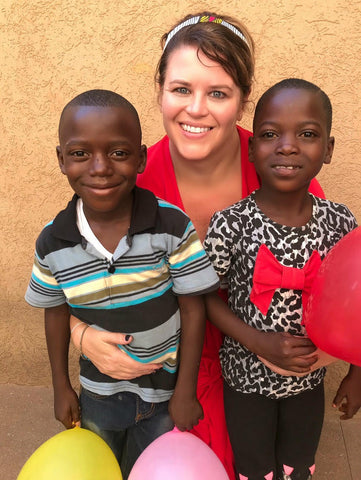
(185, 412)
(66, 407)
(348, 396)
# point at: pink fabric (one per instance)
(269, 274)
(159, 177)
(312, 469)
(288, 470)
(269, 476)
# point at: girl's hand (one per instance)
(101, 349)
(289, 352)
(185, 412)
(348, 396)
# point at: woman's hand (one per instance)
(101, 348)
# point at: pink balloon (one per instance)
(178, 456)
(333, 313)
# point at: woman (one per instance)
(204, 76)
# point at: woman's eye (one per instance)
(182, 90)
(218, 94)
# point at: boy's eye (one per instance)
(218, 94)
(78, 153)
(119, 153)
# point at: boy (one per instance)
(116, 257)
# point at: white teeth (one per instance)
(190, 129)
(290, 167)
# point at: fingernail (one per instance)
(127, 337)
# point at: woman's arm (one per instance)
(101, 349)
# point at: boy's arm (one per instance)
(282, 349)
(350, 391)
(184, 407)
(57, 332)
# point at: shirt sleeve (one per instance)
(43, 290)
(218, 243)
(190, 267)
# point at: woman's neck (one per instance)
(210, 170)
(209, 185)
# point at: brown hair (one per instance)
(218, 43)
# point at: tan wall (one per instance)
(54, 49)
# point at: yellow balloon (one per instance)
(75, 454)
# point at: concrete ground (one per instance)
(26, 419)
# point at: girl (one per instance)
(278, 235)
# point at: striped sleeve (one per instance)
(43, 290)
(190, 267)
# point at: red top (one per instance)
(159, 177)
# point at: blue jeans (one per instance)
(126, 422)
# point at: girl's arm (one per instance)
(57, 332)
(101, 349)
(349, 391)
(184, 406)
(281, 348)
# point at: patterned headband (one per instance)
(204, 19)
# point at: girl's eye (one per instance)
(308, 134)
(218, 94)
(268, 135)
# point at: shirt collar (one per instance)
(144, 215)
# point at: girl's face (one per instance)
(290, 140)
(200, 104)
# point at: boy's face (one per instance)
(101, 154)
(290, 142)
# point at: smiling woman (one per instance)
(204, 76)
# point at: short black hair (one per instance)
(101, 98)
(300, 84)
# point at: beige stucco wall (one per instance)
(54, 49)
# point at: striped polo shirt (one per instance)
(134, 292)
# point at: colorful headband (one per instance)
(204, 19)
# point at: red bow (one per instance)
(269, 275)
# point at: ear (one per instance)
(244, 100)
(143, 159)
(160, 99)
(329, 151)
(250, 149)
(59, 154)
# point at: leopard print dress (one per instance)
(232, 242)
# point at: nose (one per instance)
(197, 105)
(101, 165)
(287, 145)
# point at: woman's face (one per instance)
(200, 104)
